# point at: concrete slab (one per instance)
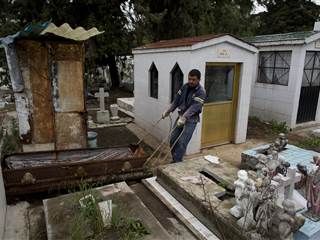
(201, 199)
(16, 222)
(3, 205)
(37, 223)
(126, 203)
(230, 153)
(179, 210)
(126, 103)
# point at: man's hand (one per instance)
(165, 114)
(181, 121)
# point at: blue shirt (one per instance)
(189, 101)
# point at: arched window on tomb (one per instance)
(176, 80)
(153, 81)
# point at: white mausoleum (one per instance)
(227, 65)
(287, 81)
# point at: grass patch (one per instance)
(309, 143)
(128, 228)
(88, 223)
(254, 119)
(279, 127)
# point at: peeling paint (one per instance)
(23, 113)
(14, 70)
(53, 75)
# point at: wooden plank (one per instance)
(195, 226)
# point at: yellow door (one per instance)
(219, 111)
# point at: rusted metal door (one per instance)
(34, 54)
(66, 63)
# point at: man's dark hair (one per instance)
(195, 72)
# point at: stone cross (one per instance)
(101, 95)
(286, 185)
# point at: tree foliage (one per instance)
(287, 16)
(130, 23)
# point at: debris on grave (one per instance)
(212, 159)
(105, 208)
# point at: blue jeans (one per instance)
(180, 147)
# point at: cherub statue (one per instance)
(239, 185)
(283, 166)
(263, 177)
(262, 162)
(273, 163)
(266, 203)
(248, 203)
(285, 222)
(281, 142)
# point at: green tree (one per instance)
(105, 15)
(184, 18)
(287, 16)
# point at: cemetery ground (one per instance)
(30, 212)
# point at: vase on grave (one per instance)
(114, 108)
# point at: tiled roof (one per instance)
(182, 42)
(292, 36)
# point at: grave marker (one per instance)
(101, 95)
(103, 116)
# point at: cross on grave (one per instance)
(101, 95)
(285, 185)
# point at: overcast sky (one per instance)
(260, 8)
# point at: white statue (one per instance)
(274, 162)
(239, 184)
(248, 200)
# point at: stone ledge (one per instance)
(215, 215)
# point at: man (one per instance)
(189, 101)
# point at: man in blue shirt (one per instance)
(189, 101)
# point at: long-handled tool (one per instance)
(162, 143)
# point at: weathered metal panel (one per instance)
(70, 86)
(24, 100)
(33, 61)
(66, 68)
(42, 111)
(66, 51)
(70, 131)
(43, 171)
(23, 114)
